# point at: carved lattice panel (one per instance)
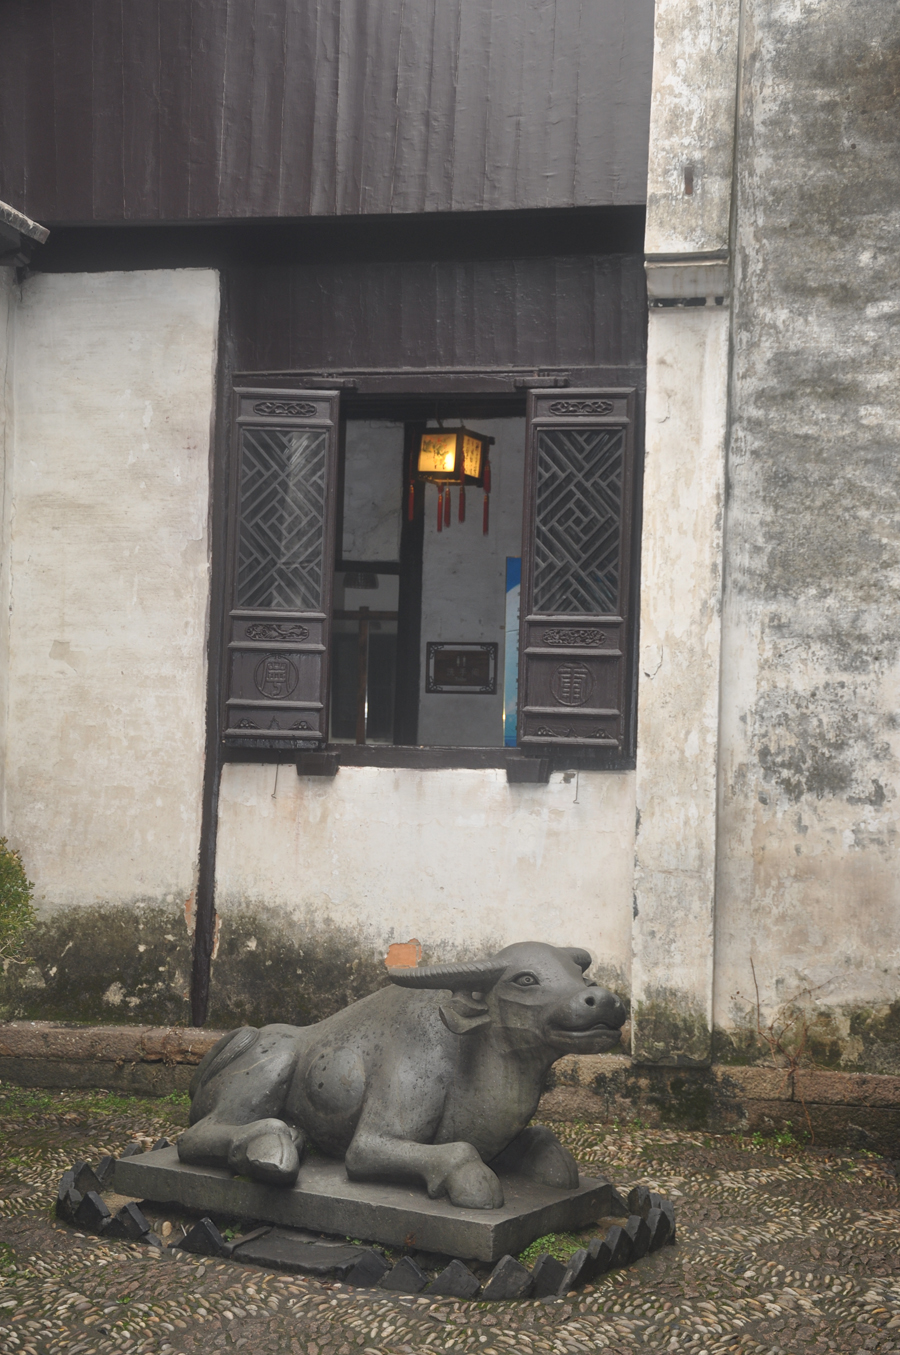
(578, 520)
(282, 518)
(576, 634)
(281, 549)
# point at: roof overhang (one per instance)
(18, 236)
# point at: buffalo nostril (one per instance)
(590, 1001)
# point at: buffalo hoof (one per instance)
(267, 1151)
(472, 1185)
(538, 1155)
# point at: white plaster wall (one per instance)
(681, 580)
(459, 859)
(108, 503)
(464, 589)
(689, 197)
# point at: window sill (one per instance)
(430, 758)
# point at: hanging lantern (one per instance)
(448, 456)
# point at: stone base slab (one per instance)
(325, 1200)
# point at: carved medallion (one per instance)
(583, 637)
(247, 724)
(285, 409)
(300, 724)
(566, 407)
(276, 677)
(277, 630)
(572, 684)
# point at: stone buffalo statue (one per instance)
(433, 1079)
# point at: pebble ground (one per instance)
(781, 1249)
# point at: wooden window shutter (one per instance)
(576, 550)
(283, 494)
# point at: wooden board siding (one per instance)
(583, 311)
(176, 110)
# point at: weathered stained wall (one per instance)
(692, 121)
(808, 885)
(107, 500)
(337, 870)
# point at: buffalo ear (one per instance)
(581, 957)
(462, 1014)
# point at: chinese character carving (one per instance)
(276, 677)
(572, 684)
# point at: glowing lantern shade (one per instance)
(452, 454)
(448, 456)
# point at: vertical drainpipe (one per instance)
(205, 899)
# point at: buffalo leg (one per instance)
(453, 1169)
(537, 1154)
(237, 1113)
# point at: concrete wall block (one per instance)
(134, 1079)
(755, 1084)
(105, 1044)
(848, 1089)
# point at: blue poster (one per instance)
(511, 651)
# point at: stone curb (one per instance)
(856, 1110)
(596, 1072)
(44, 1040)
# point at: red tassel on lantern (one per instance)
(462, 502)
(446, 505)
(487, 477)
(411, 505)
(440, 515)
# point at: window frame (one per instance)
(370, 393)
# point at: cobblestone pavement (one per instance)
(780, 1249)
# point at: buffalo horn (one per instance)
(480, 975)
(581, 957)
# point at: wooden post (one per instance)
(362, 674)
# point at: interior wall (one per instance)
(464, 589)
(108, 500)
(373, 490)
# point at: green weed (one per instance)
(17, 916)
(560, 1245)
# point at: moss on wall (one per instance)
(270, 968)
(671, 1029)
(851, 1038)
(103, 964)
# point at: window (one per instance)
(354, 621)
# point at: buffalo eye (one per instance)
(526, 980)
